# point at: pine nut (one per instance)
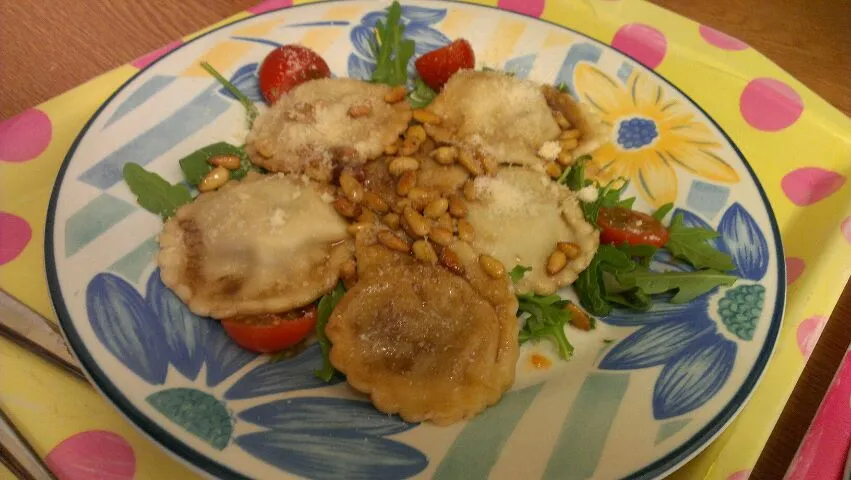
(231, 162)
(579, 318)
(571, 250)
(490, 165)
(568, 134)
(426, 117)
(401, 204)
(436, 208)
(457, 208)
(470, 190)
(346, 208)
(560, 119)
(565, 158)
(424, 252)
(414, 137)
(556, 262)
(214, 179)
(465, 230)
(569, 144)
(264, 149)
(351, 187)
(445, 221)
(391, 220)
(357, 228)
(418, 224)
(450, 260)
(553, 170)
(367, 216)
(374, 203)
(420, 197)
(396, 94)
(391, 149)
(393, 241)
(400, 165)
(407, 181)
(349, 268)
(441, 236)
(445, 155)
(360, 110)
(470, 163)
(493, 267)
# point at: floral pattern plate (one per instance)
(644, 392)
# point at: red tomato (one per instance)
(437, 66)
(271, 332)
(621, 225)
(287, 67)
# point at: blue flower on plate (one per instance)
(684, 339)
(418, 27)
(156, 337)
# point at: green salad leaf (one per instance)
(547, 317)
(590, 286)
(690, 244)
(689, 285)
(250, 109)
(662, 211)
(323, 313)
(607, 195)
(393, 52)
(518, 272)
(153, 192)
(422, 95)
(196, 165)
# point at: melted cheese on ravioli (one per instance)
(262, 246)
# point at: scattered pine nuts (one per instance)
(426, 117)
(470, 190)
(445, 221)
(570, 249)
(414, 138)
(400, 165)
(420, 197)
(391, 220)
(351, 187)
(374, 203)
(367, 216)
(457, 207)
(360, 110)
(216, 177)
(231, 162)
(407, 181)
(396, 94)
(569, 134)
(556, 262)
(565, 158)
(417, 223)
(391, 149)
(493, 267)
(436, 208)
(424, 252)
(393, 241)
(450, 260)
(465, 230)
(553, 170)
(569, 144)
(561, 120)
(445, 155)
(470, 163)
(346, 208)
(579, 318)
(441, 236)
(357, 228)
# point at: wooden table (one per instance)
(68, 43)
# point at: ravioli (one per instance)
(262, 245)
(423, 342)
(507, 118)
(325, 124)
(520, 217)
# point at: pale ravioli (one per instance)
(325, 124)
(264, 245)
(506, 118)
(423, 342)
(520, 217)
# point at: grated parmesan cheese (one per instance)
(588, 194)
(549, 150)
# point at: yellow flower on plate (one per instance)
(651, 136)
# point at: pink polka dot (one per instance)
(770, 105)
(269, 5)
(845, 226)
(794, 268)
(93, 455)
(152, 57)
(24, 136)
(808, 185)
(808, 332)
(15, 234)
(641, 42)
(740, 475)
(721, 39)
(533, 8)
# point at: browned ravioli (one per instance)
(423, 342)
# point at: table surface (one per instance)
(84, 38)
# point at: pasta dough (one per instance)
(263, 245)
(313, 129)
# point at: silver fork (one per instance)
(40, 336)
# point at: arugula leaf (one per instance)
(562, 87)
(607, 195)
(196, 165)
(422, 95)
(643, 252)
(660, 213)
(153, 193)
(690, 244)
(634, 298)
(518, 272)
(323, 312)
(590, 286)
(689, 285)
(574, 177)
(547, 318)
(250, 109)
(393, 52)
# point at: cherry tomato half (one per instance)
(437, 66)
(271, 332)
(287, 67)
(621, 225)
